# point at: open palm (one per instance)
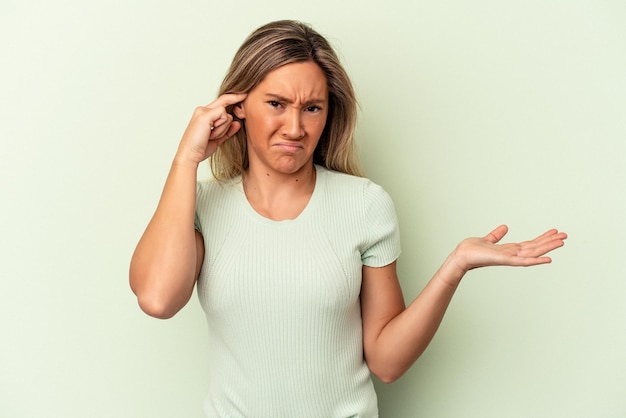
(472, 253)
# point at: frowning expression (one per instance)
(285, 115)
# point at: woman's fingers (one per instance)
(221, 104)
(543, 244)
(233, 128)
(209, 126)
(497, 234)
(222, 124)
(486, 251)
(220, 127)
(228, 99)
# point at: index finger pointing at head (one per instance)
(228, 99)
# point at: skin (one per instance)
(284, 117)
(395, 336)
(168, 257)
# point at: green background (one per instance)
(472, 114)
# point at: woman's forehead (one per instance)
(303, 81)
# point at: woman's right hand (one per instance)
(209, 126)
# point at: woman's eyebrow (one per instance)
(283, 99)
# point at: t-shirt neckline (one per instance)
(320, 179)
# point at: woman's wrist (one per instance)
(451, 272)
(181, 160)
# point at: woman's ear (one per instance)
(239, 111)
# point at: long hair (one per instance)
(274, 45)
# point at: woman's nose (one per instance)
(292, 127)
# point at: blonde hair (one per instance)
(274, 45)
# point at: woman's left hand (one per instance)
(472, 253)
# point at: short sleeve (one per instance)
(196, 223)
(196, 220)
(383, 242)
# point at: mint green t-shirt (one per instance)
(282, 298)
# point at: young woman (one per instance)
(293, 251)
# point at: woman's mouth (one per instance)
(289, 146)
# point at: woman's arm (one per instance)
(394, 336)
(168, 257)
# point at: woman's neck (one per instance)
(279, 196)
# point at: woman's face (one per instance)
(285, 115)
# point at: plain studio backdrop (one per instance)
(472, 114)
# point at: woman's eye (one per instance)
(313, 109)
(274, 103)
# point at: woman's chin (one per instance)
(290, 165)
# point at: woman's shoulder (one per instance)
(211, 186)
(340, 178)
(348, 183)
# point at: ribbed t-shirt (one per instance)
(282, 298)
